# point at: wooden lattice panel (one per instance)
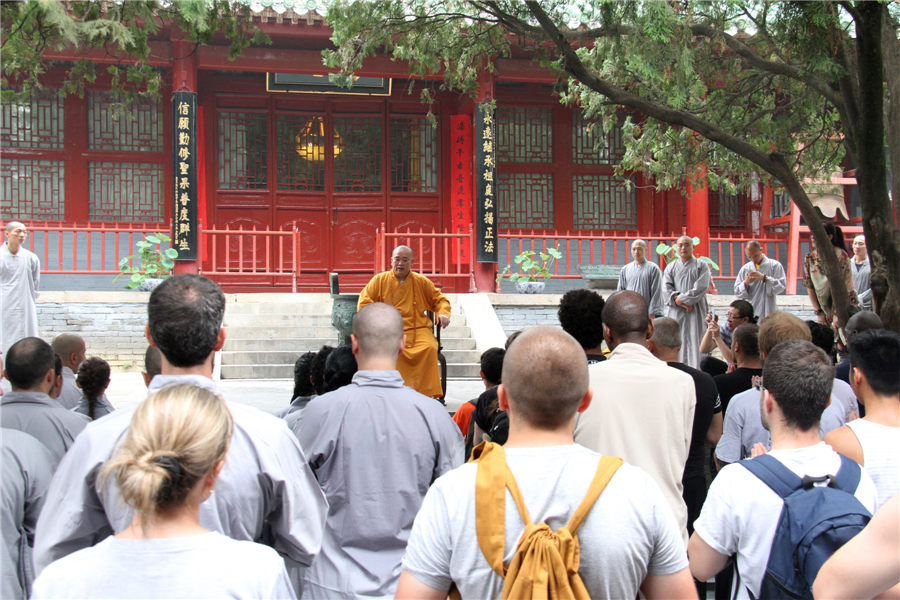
(32, 189)
(610, 151)
(727, 211)
(140, 132)
(35, 124)
(301, 152)
(358, 167)
(125, 192)
(602, 201)
(414, 156)
(524, 135)
(242, 143)
(525, 200)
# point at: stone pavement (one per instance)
(128, 388)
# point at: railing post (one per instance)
(793, 250)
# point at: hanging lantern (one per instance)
(310, 140)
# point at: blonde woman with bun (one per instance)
(165, 467)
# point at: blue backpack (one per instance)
(815, 521)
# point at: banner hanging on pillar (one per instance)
(184, 175)
(461, 176)
(485, 184)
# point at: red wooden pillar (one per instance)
(484, 272)
(184, 79)
(697, 214)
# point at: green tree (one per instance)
(754, 89)
(123, 31)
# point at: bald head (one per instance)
(545, 376)
(378, 331)
(10, 225)
(625, 316)
(70, 348)
(666, 333)
(863, 321)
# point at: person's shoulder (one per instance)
(245, 554)
(255, 420)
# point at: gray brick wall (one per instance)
(513, 318)
(113, 331)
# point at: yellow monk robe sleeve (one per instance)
(437, 301)
(371, 293)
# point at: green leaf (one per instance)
(171, 253)
(152, 239)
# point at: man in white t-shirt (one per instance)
(741, 512)
(629, 539)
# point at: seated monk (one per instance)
(412, 294)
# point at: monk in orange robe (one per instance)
(412, 294)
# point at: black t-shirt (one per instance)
(707, 405)
(739, 380)
(489, 418)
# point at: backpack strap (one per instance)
(490, 503)
(769, 469)
(605, 470)
(847, 477)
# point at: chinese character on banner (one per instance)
(485, 165)
(184, 193)
(461, 175)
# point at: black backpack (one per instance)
(815, 521)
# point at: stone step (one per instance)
(305, 344)
(277, 320)
(289, 357)
(325, 332)
(286, 371)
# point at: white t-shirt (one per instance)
(741, 512)
(207, 565)
(630, 532)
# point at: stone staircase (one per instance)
(268, 332)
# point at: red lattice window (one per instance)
(728, 211)
(525, 200)
(32, 189)
(140, 132)
(592, 148)
(358, 167)
(125, 192)
(242, 150)
(301, 152)
(37, 123)
(524, 134)
(414, 156)
(603, 202)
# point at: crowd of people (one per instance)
(615, 432)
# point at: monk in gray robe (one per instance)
(644, 277)
(686, 280)
(760, 281)
(26, 466)
(266, 492)
(376, 446)
(20, 275)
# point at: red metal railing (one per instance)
(252, 252)
(94, 248)
(436, 254)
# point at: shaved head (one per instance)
(10, 225)
(378, 329)
(67, 344)
(545, 376)
(666, 333)
(863, 321)
(626, 312)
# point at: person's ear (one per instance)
(354, 344)
(502, 398)
(220, 340)
(402, 345)
(147, 335)
(649, 333)
(607, 335)
(586, 401)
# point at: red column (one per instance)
(484, 272)
(697, 214)
(184, 78)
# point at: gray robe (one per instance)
(266, 492)
(646, 280)
(861, 275)
(761, 294)
(20, 274)
(688, 281)
(70, 394)
(26, 466)
(42, 417)
(375, 446)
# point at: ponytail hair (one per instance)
(93, 377)
(177, 436)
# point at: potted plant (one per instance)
(153, 264)
(667, 251)
(534, 268)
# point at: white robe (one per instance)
(688, 281)
(646, 280)
(20, 274)
(761, 294)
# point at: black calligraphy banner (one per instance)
(184, 175)
(485, 184)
